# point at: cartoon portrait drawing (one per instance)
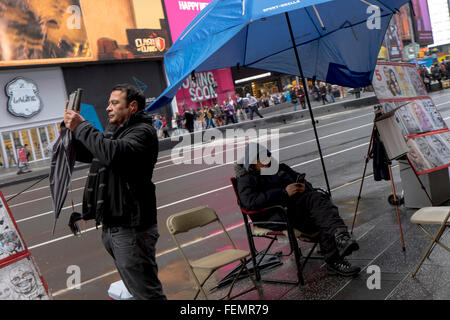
(391, 82)
(442, 149)
(422, 117)
(434, 114)
(429, 153)
(407, 120)
(416, 157)
(416, 82)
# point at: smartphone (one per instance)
(75, 100)
(301, 178)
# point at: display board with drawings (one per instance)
(19, 275)
(424, 129)
(20, 280)
(11, 243)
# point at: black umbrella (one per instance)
(63, 161)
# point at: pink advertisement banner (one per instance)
(181, 13)
(209, 87)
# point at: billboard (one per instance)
(33, 31)
(67, 31)
(97, 81)
(422, 22)
(210, 87)
(393, 41)
(181, 13)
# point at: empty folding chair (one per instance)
(429, 216)
(202, 269)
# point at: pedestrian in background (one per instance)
(189, 119)
(253, 106)
(218, 115)
(158, 125)
(301, 97)
(323, 93)
(330, 92)
(294, 100)
(229, 112)
(241, 103)
(119, 193)
(22, 159)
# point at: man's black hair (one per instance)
(133, 93)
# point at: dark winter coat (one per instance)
(120, 177)
(258, 191)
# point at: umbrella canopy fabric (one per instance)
(62, 163)
(337, 40)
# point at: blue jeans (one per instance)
(133, 251)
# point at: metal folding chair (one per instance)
(429, 216)
(202, 269)
(255, 231)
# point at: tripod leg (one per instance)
(362, 178)
(396, 207)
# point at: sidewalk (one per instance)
(386, 269)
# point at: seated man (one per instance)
(310, 210)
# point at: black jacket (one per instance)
(128, 154)
(258, 191)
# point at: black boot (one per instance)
(342, 267)
(344, 242)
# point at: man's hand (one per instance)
(294, 188)
(72, 119)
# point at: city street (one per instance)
(344, 139)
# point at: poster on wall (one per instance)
(209, 88)
(34, 31)
(398, 86)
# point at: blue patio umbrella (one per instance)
(336, 41)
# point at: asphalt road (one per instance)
(344, 140)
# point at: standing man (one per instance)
(253, 106)
(242, 104)
(189, 118)
(119, 191)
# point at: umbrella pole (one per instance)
(308, 101)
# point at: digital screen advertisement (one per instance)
(67, 31)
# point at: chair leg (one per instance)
(297, 255)
(430, 248)
(260, 294)
(252, 246)
(308, 256)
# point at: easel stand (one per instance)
(396, 202)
